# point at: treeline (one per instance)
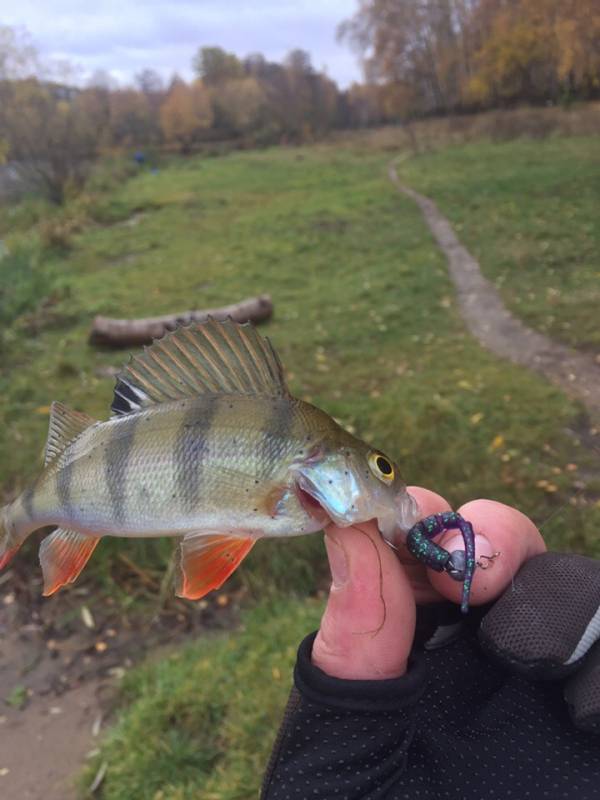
(440, 56)
(54, 130)
(421, 57)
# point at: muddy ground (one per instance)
(61, 659)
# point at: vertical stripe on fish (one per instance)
(117, 452)
(275, 434)
(192, 447)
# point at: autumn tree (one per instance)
(49, 138)
(185, 114)
(149, 83)
(239, 105)
(363, 106)
(131, 119)
(535, 51)
(152, 87)
(577, 33)
(94, 104)
(214, 66)
(18, 56)
(409, 42)
(444, 55)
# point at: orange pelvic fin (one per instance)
(63, 555)
(207, 560)
(6, 557)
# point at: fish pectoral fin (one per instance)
(63, 555)
(207, 560)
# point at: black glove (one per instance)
(547, 626)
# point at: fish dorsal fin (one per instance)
(211, 358)
(65, 425)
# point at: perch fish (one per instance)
(206, 444)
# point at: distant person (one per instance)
(504, 703)
(139, 158)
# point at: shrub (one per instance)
(56, 233)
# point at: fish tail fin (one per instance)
(9, 541)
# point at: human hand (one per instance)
(548, 627)
(368, 626)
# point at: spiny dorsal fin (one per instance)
(211, 358)
(65, 425)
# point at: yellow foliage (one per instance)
(484, 52)
(239, 103)
(186, 112)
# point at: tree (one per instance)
(298, 62)
(536, 51)
(46, 134)
(578, 40)
(214, 66)
(185, 114)
(443, 55)
(149, 82)
(18, 56)
(94, 104)
(239, 105)
(132, 122)
(413, 42)
(363, 105)
(49, 139)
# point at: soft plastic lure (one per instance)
(460, 564)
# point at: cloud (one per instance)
(122, 37)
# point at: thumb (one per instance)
(498, 529)
(368, 626)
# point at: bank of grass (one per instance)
(365, 319)
(528, 211)
(367, 326)
(202, 720)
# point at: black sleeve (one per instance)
(342, 738)
(455, 726)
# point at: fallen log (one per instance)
(135, 332)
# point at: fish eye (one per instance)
(381, 467)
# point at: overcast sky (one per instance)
(124, 36)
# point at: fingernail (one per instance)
(338, 562)
(483, 546)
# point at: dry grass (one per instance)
(428, 135)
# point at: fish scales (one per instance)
(222, 455)
(168, 469)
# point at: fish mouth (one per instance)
(311, 505)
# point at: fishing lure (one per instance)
(207, 444)
(460, 564)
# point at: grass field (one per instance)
(367, 326)
(528, 211)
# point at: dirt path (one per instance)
(45, 746)
(52, 693)
(495, 327)
(60, 660)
